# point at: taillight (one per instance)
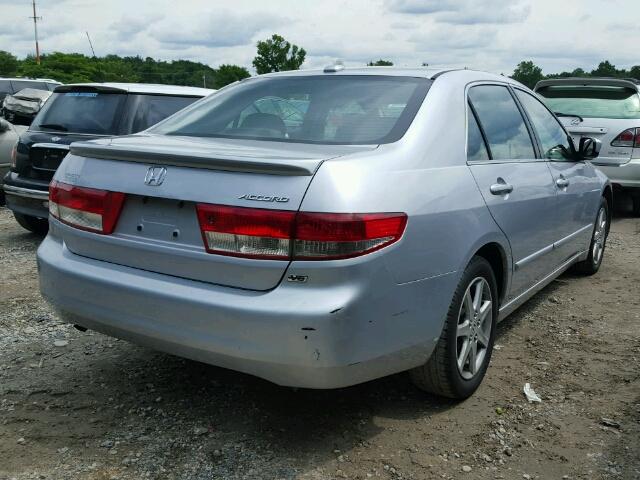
(246, 232)
(326, 236)
(628, 138)
(85, 208)
(284, 235)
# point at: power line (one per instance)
(35, 30)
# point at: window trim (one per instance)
(525, 119)
(482, 134)
(569, 160)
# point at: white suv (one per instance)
(607, 109)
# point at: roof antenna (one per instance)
(335, 67)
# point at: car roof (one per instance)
(422, 72)
(425, 72)
(144, 88)
(586, 81)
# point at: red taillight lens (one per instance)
(85, 208)
(628, 138)
(342, 235)
(283, 235)
(246, 232)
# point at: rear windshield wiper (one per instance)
(560, 114)
(54, 126)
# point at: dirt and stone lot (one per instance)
(85, 406)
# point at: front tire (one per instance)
(462, 354)
(591, 265)
(39, 226)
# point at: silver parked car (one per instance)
(607, 109)
(324, 228)
(8, 138)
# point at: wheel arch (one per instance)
(497, 257)
(607, 193)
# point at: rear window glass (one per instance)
(592, 101)
(20, 84)
(344, 109)
(5, 87)
(147, 110)
(88, 112)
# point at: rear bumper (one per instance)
(295, 335)
(626, 175)
(26, 198)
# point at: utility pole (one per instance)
(35, 30)
(204, 80)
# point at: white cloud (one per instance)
(466, 12)
(219, 29)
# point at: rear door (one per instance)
(517, 186)
(577, 184)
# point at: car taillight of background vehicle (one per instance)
(282, 235)
(85, 208)
(628, 138)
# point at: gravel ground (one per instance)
(85, 406)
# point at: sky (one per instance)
(492, 35)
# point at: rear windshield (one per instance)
(143, 111)
(344, 109)
(94, 113)
(20, 84)
(593, 101)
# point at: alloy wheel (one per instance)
(599, 236)
(473, 333)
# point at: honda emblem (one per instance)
(155, 176)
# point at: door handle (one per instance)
(562, 182)
(501, 188)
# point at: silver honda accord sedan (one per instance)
(324, 228)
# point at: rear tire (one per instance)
(462, 354)
(39, 226)
(591, 265)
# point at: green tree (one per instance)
(226, 74)
(380, 63)
(276, 54)
(527, 73)
(634, 72)
(8, 64)
(605, 69)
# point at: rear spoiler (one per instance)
(88, 88)
(232, 163)
(586, 81)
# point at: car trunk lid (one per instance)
(605, 130)
(158, 227)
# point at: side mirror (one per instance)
(4, 125)
(589, 148)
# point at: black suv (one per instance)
(81, 112)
